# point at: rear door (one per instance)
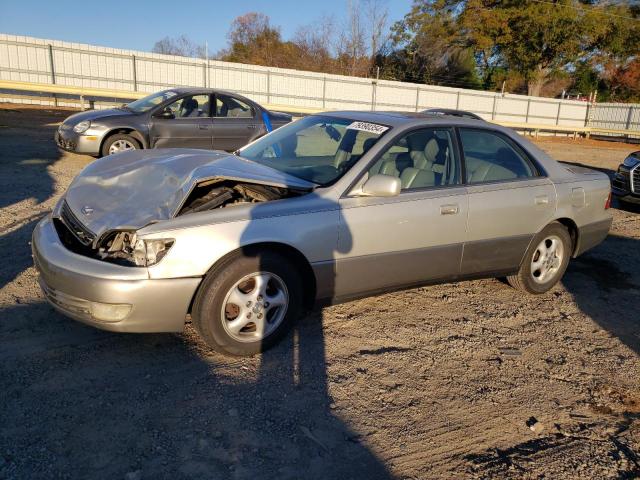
(235, 123)
(184, 123)
(510, 200)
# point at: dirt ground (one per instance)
(467, 380)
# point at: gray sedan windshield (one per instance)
(317, 148)
(147, 103)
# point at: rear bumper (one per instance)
(73, 284)
(592, 234)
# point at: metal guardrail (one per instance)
(89, 94)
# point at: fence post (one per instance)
(458, 100)
(417, 98)
(324, 91)
(558, 115)
(374, 85)
(134, 73)
(53, 73)
(591, 106)
(526, 119)
(629, 117)
(495, 104)
(268, 86)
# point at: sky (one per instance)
(137, 25)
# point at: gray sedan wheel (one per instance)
(120, 142)
(247, 303)
(545, 262)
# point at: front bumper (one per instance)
(87, 143)
(625, 182)
(71, 282)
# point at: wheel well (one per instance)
(298, 258)
(129, 131)
(572, 228)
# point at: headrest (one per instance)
(432, 149)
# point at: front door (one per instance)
(184, 123)
(235, 123)
(412, 238)
(510, 200)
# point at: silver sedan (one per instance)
(329, 208)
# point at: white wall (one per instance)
(29, 59)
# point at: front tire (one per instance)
(119, 142)
(545, 262)
(248, 303)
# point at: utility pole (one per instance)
(206, 55)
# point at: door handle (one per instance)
(542, 200)
(449, 209)
(203, 127)
(251, 127)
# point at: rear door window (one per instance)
(231, 107)
(491, 157)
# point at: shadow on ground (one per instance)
(158, 405)
(605, 283)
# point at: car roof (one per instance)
(181, 90)
(399, 118)
(453, 112)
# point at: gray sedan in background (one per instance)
(179, 117)
(328, 208)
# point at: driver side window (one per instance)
(192, 106)
(421, 159)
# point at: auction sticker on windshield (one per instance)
(368, 127)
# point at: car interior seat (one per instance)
(189, 108)
(483, 171)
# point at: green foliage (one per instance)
(519, 41)
(540, 47)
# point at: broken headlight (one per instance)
(149, 252)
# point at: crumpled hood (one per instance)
(133, 189)
(95, 115)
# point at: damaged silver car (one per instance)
(329, 208)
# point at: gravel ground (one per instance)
(467, 380)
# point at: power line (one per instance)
(584, 10)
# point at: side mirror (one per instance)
(381, 186)
(167, 114)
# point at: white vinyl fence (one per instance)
(36, 60)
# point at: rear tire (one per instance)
(119, 142)
(248, 303)
(545, 261)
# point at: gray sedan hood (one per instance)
(130, 190)
(96, 115)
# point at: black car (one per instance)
(626, 182)
(179, 117)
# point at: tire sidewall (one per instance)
(525, 272)
(119, 136)
(207, 309)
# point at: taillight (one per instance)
(607, 204)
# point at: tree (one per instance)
(253, 40)
(181, 46)
(431, 47)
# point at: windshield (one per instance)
(147, 103)
(317, 148)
